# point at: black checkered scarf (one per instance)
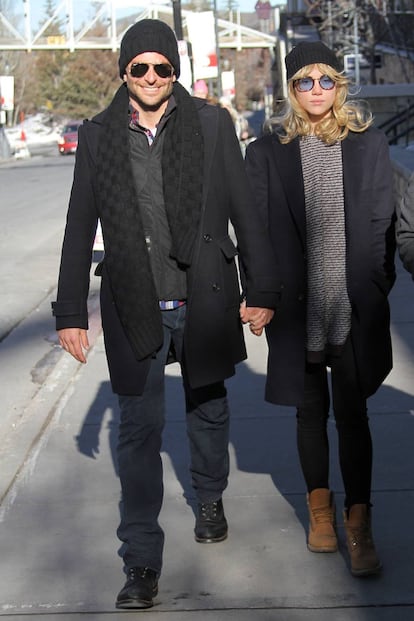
(126, 256)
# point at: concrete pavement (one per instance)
(59, 552)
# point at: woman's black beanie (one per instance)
(149, 35)
(310, 53)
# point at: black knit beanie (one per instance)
(310, 53)
(149, 35)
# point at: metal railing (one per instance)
(399, 129)
(231, 33)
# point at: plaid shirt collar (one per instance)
(134, 123)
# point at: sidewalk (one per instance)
(59, 552)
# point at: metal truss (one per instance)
(18, 33)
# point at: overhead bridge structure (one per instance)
(80, 28)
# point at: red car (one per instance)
(68, 140)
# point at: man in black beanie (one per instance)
(163, 172)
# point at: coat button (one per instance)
(207, 237)
(216, 288)
(301, 297)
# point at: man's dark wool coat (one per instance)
(276, 175)
(213, 340)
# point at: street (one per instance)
(34, 197)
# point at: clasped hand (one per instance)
(256, 317)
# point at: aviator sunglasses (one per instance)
(163, 70)
(304, 85)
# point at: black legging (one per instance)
(354, 437)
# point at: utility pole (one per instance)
(356, 46)
(216, 32)
(178, 22)
(330, 34)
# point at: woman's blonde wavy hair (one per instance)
(347, 115)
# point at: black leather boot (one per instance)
(139, 590)
(211, 523)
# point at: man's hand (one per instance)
(256, 317)
(74, 341)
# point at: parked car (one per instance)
(68, 140)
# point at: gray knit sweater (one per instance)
(328, 305)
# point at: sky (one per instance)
(83, 9)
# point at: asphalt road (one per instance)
(34, 197)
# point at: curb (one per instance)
(21, 446)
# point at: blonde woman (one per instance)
(322, 181)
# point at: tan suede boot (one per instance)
(322, 535)
(361, 548)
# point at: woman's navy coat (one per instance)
(275, 173)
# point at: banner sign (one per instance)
(228, 84)
(7, 92)
(202, 36)
(186, 78)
